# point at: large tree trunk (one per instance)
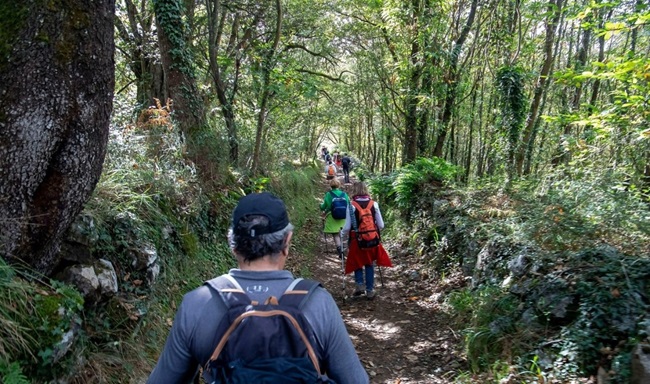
(56, 90)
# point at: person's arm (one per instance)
(348, 218)
(327, 201)
(340, 359)
(378, 219)
(176, 364)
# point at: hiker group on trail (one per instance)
(257, 323)
(363, 224)
(336, 162)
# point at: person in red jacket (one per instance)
(363, 223)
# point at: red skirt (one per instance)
(360, 257)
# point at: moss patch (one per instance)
(13, 16)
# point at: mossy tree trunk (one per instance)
(554, 8)
(178, 66)
(56, 90)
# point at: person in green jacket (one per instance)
(334, 206)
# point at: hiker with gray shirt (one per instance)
(259, 238)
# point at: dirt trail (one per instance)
(402, 336)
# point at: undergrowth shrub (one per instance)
(558, 271)
(12, 373)
(486, 313)
(580, 208)
(610, 291)
(413, 181)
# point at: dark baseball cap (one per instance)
(262, 204)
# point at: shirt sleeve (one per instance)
(378, 219)
(341, 362)
(348, 218)
(325, 204)
(176, 364)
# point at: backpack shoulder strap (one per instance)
(230, 291)
(371, 207)
(299, 292)
(360, 209)
(331, 191)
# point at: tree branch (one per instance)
(302, 70)
(300, 46)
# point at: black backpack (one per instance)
(264, 343)
(345, 161)
(339, 205)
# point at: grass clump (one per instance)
(39, 323)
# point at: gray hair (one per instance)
(251, 248)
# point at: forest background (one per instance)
(507, 140)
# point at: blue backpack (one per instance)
(339, 206)
(264, 343)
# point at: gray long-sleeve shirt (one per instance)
(191, 340)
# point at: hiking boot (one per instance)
(339, 250)
(358, 291)
(370, 295)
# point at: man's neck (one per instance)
(266, 263)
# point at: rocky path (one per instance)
(403, 335)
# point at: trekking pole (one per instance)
(381, 276)
(342, 262)
(324, 234)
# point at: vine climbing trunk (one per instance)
(225, 54)
(412, 96)
(554, 11)
(178, 67)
